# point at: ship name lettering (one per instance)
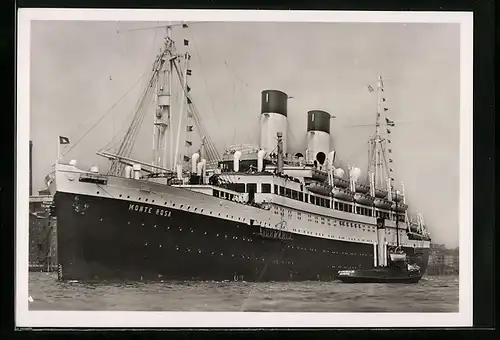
(139, 208)
(162, 212)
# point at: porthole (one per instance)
(146, 199)
(120, 195)
(98, 192)
(128, 196)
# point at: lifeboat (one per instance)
(322, 189)
(343, 194)
(397, 198)
(319, 175)
(381, 193)
(398, 257)
(382, 203)
(361, 188)
(400, 207)
(341, 183)
(363, 199)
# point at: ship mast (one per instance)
(162, 116)
(377, 157)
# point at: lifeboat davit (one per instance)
(343, 194)
(382, 203)
(381, 193)
(361, 188)
(322, 189)
(363, 199)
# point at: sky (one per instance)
(84, 71)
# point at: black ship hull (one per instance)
(109, 239)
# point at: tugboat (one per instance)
(398, 270)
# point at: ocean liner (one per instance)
(252, 214)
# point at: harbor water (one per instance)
(431, 294)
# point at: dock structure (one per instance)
(42, 234)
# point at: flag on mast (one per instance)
(63, 140)
(370, 89)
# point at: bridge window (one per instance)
(238, 187)
(266, 188)
(306, 198)
(282, 191)
(276, 189)
(295, 194)
(301, 196)
(216, 193)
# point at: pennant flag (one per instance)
(189, 72)
(189, 143)
(383, 99)
(389, 141)
(382, 90)
(63, 140)
(188, 88)
(370, 89)
(186, 159)
(390, 160)
(390, 170)
(184, 26)
(378, 115)
(390, 150)
(388, 131)
(385, 109)
(186, 42)
(189, 100)
(190, 114)
(189, 128)
(389, 122)
(392, 179)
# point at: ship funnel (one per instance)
(273, 119)
(128, 171)
(260, 160)
(318, 136)
(236, 162)
(94, 169)
(194, 161)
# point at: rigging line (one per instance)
(106, 114)
(205, 80)
(194, 109)
(140, 102)
(139, 105)
(197, 116)
(233, 71)
(358, 151)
